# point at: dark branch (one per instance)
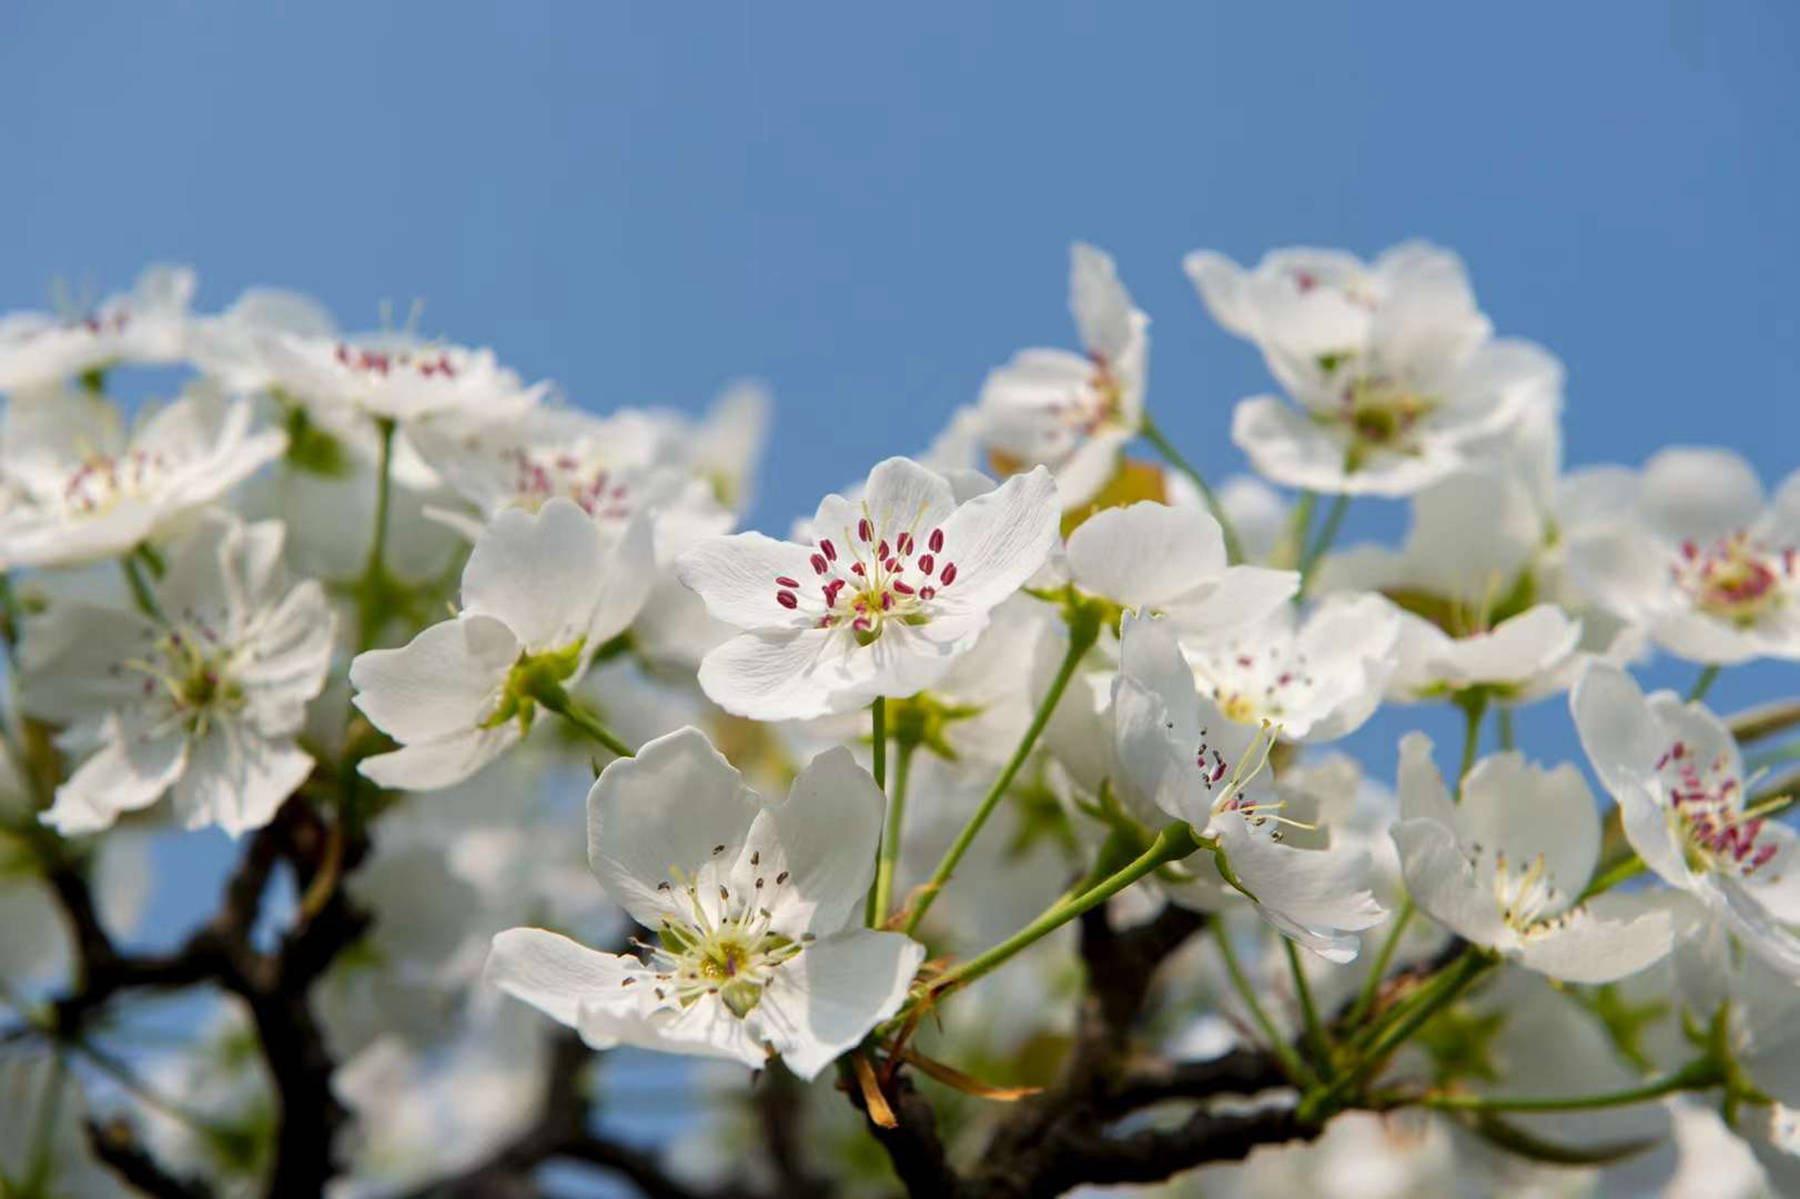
(115, 1144)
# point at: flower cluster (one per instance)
(1068, 830)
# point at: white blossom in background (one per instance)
(757, 908)
(1179, 755)
(724, 446)
(1075, 412)
(891, 591)
(145, 326)
(1504, 868)
(540, 593)
(1318, 677)
(1707, 564)
(227, 347)
(76, 487)
(1682, 793)
(391, 376)
(1396, 373)
(203, 701)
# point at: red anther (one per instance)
(926, 562)
(863, 530)
(784, 581)
(902, 588)
(926, 593)
(830, 549)
(892, 566)
(787, 599)
(936, 541)
(947, 575)
(887, 601)
(856, 568)
(861, 624)
(818, 564)
(905, 542)
(882, 551)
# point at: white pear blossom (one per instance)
(1682, 793)
(1318, 677)
(1075, 412)
(1395, 371)
(540, 593)
(202, 701)
(1707, 565)
(1179, 755)
(757, 908)
(1505, 867)
(891, 591)
(147, 325)
(392, 376)
(1158, 558)
(75, 487)
(228, 347)
(725, 445)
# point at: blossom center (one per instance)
(1382, 413)
(1250, 685)
(1526, 895)
(427, 363)
(1706, 803)
(101, 481)
(726, 950)
(581, 477)
(1735, 578)
(192, 670)
(878, 577)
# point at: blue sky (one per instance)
(869, 210)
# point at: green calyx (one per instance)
(535, 679)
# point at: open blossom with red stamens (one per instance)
(1676, 772)
(393, 376)
(74, 488)
(147, 325)
(1706, 565)
(892, 589)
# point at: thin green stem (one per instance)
(1315, 553)
(1290, 1061)
(878, 725)
(1233, 548)
(1292, 547)
(141, 594)
(1384, 957)
(371, 593)
(553, 697)
(1698, 1075)
(1503, 720)
(883, 893)
(1174, 842)
(1317, 1042)
(1631, 867)
(1474, 706)
(1702, 685)
(1084, 630)
(1436, 995)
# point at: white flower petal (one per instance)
(815, 852)
(539, 573)
(1610, 937)
(736, 578)
(553, 974)
(830, 996)
(677, 805)
(442, 681)
(1146, 553)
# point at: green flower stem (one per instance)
(1504, 721)
(1316, 1039)
(371, 593)
(1631, 867)
(1436, 995)
(1703, 684)
(1234, 551)
(1292, 547)
(1699, 1075)
(1474, 705)
(1174, 842)
(1084, 630)
(1315, 553)
(134, 565)
(1384, 957)
(1290, 1061)
(883, 892)
(550, 693)
(878, 725)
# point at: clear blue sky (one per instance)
(870, 209)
